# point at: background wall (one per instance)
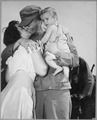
(78, 16)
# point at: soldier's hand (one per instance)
(81, 96)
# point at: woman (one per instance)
(22, 67)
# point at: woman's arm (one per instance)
(39, 63)
(23, 42)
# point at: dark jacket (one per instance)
(82, 80)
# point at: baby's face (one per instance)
(47, 19)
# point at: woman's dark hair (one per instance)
(11, 34)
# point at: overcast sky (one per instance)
(78, 16)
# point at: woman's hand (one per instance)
(25, 43)
(40, 44)
(34, 46)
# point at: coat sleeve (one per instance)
(65, 59)
(87, 91)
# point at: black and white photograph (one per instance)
(48, 59)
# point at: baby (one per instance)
(54, 40)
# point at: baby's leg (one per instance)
(66, 73)
(50, 61)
